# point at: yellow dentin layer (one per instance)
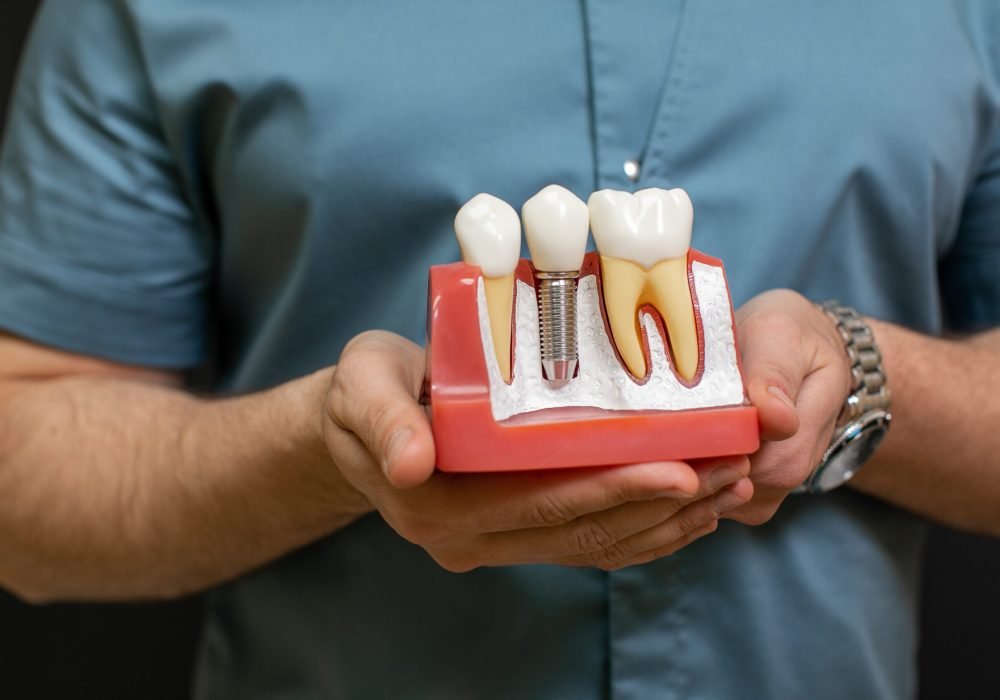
(627, 287)
(499, 305)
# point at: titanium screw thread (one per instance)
(557, 323)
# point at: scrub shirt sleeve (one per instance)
(970, 272)
(100, 251)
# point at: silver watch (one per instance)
(865, 418)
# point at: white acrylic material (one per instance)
(646, 227)
(489, 234)
(556, 223)
(602, 382)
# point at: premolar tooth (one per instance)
(489, 234)
(643, 239)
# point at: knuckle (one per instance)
(355, 346)
(705, 530)
(690, 519)
(550, 512)
(591, 536)
(337, 405)
(612, 557)
(378, 418)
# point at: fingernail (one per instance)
(722, 476)
(397, 443)
(778, 393)
(727, 500)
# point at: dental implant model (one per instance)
(582, 359)
(556, 223)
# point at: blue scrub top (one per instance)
(284, 173)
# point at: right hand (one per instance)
(380, 438)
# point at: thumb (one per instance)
(773, 381)
(776, 411)
(376, 388)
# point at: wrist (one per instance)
(284, 457)
(863, 419)
(310, 399)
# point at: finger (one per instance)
(776, 412)
(673, 547)
(605, 535)
(688, 523)
(716, 473)
(375, 392)
(775, 358)
(773, 382)
(480, 503)
(782, 466)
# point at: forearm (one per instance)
(942, 455)
(113, 488)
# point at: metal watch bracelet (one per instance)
(865, 417)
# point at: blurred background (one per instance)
(146, 651)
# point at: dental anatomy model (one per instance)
(575, 359)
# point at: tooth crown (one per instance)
(555, 225)
(646, 227)
(489, 234)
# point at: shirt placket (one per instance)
(630, 52)
(630, 47)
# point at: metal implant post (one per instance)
(557, 325)
(556, 223)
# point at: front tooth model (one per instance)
(556, 223)
(643, 240)
(489, 234)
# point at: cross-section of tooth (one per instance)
(489, 234)
(643, 239)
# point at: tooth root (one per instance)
(499, 306)
(668, 282)
(624, 282)
(627, 287)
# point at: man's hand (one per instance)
(798, 377)
(380, 438)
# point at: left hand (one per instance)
(798, 377)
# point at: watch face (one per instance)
(854, 448)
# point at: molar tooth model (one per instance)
(631, 358)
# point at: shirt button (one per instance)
(631, 168)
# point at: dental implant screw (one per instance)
(556, 223)
(557, 325)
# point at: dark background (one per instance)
(146, 651)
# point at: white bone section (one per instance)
(602, 382)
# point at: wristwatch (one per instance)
(865, 418)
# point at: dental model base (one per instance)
(654, 373)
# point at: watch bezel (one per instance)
(854, 446)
